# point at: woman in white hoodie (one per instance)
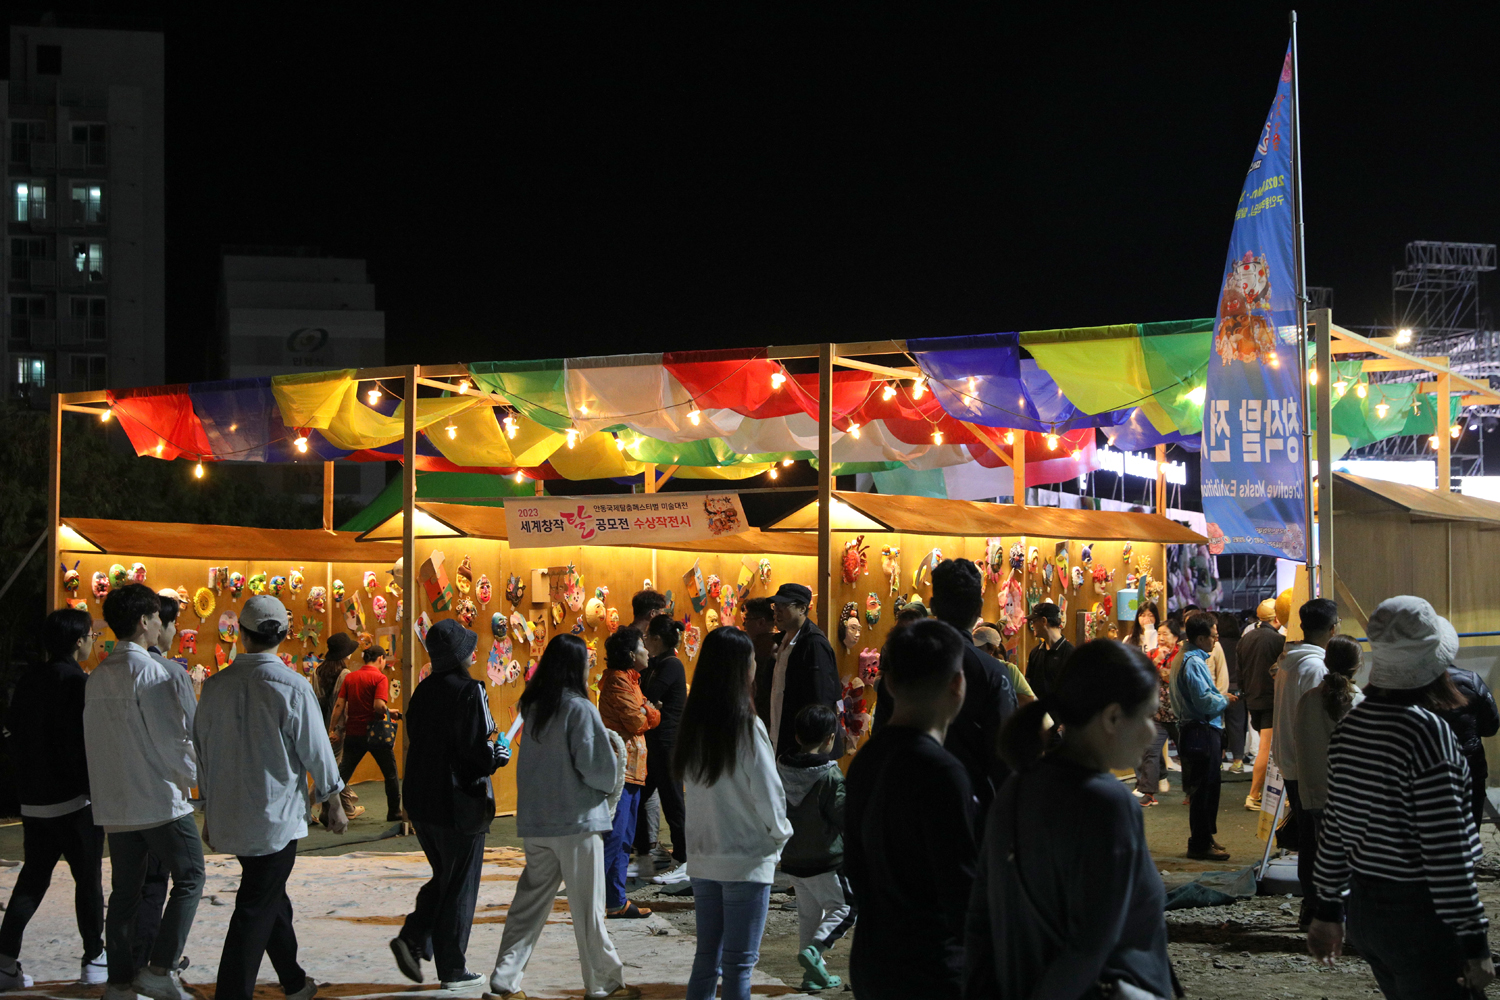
(736, 812)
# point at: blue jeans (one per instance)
(617, 847)
(731, 919)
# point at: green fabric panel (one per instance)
(905, 482)
(440, 484)
(851, 468)
(536, 388)
(1098, 369)
(1177, 356)
(705, 452)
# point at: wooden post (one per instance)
(1018, 469)
(823, 586)
(1441, 426)
(1322, 321)
(409, 547)
(327, 496)
(1161, 481)
(54, 502)
(649, 475)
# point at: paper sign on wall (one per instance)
(536, 522)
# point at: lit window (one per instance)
(23, 194)
(30, 202)
(88, 259)
(31, 371)
(88, 202)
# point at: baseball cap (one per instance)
(265, 616)
(792, 593)
(986, 636)
(1047, 610)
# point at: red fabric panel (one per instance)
(799, 394)
(152, 417)
(718, 380)
(911, 420)
(1039, 456)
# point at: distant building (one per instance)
(283, 311)
(84, 249)
(288, 310)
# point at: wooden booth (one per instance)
(304, 568)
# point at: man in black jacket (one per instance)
(1052, 650)
(973, 736)
(1476, 720)
(45, 735)
(450, 802)
(806, 672)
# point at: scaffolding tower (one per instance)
(1436, 296)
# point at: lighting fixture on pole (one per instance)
(373, 396)
(1403, 336)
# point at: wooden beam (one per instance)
(54, 504)
(649, 472)
(856, 349)
(327, 496)
(1444, 448)
(1018, 469)
(823, 587)
(91, 396)
(433, 383)
(888, 372)
(671, 470)
(1354, 342)
(1347, 596)
(409, 592)
(91, 410)
(1161, 479)
(1388, 365)
(985, 440)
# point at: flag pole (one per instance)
(1299, 270)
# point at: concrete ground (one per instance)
(351, 892)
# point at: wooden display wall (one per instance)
(191, 574)
(915, 549)
(623, 570)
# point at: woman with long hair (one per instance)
(1067, 899)
(738, 805)
(564, 776)
(1397, 845)
(1143, 631)
(625, 710)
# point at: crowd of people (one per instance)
(980, 845)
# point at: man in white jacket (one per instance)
(138, 736)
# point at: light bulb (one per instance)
(937, 437)
(1197, 394)
(786, 463)
(971, 385)
(1077, 454)
(888, 391)
(1403, 336)
(1455, 430)
(198, 471)
(1010, 437)
(1273, 360)
(1381, 409)
(1312, 376)
(777, 378)
(774, 472)
(301, 444)
(160, 445)
(463, 385)
(583, 409)
(1340, 387)
(854, 430)
(510, 426)
(572, 437)
(105, 415)
(694, 416)
(619, 444)
(1361, 390)
(452, 431)
(1051, 442)
(520, 478)
(1161, 467)
(1433, 441)
(918, 388)
(373, 395)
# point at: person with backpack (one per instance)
(814, 858)
(363, 713)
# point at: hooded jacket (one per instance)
(1301, 669)
(815, 807)
(1476, 720)
(450, 756)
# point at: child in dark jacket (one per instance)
(813, 859)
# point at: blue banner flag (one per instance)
(1253, 480)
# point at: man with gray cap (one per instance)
(259, 736)
(1398, 843)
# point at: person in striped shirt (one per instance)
(1398, 842)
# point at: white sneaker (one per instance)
(168, 987)
(633, 870)
(307, 992)
(1164, 785)
(95, 970)
(17, 980)
(662, 856)
(1172, 765)
(1138, 793)
(673, 876)
(470, 981)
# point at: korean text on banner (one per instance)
(535, 522)
(1252, 472)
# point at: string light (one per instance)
(937, 437)
(1077, 454)
(971, 385)
(572, 437)
(619, 443)
(786, 463)
(301, 444)
(777, 378)
(583, 409)
(520, 478)
(918, 388)
(105, 415)
(1010, 437)
(1274, 360)
(854, 430)
(374, 394)
(1433, 441)
(463, 385)
(1312, 376)
(1197, 394)
(198, 471)
(1455, 430)
(509, 423)
(1051, 442)
(1340, 387)
(159, 446)
(452, 430)
(774, 472)
(694, 416)
(1360, 390)
(888, 392)
(1381, 409)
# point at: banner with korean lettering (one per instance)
(638, 519)
(1252, 470)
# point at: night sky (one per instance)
(585, 179)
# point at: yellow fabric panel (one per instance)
(311, 400)
(481, 441)
(356, 426)
(723, 473)
(534, 443)
(594, 457)
(1107, 373)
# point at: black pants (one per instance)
(1307, 821)
(439, 926)
(1236, 721)
(1414, 955)
(75, 838)
(179, 848)
(148, 914)
(355, 748)
(1479, 779)
(261, 925)
(1200, 780)
(659, 780)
